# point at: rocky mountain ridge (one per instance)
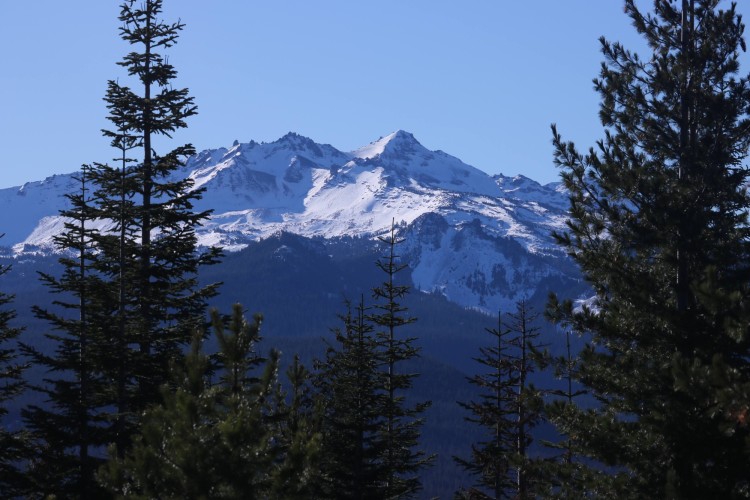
(481, 241)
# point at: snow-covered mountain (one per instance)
(482, 241)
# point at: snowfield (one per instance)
(481, 241)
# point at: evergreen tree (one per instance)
(490, 460)
(251, 408)
(565, 475)
(348, 384)
(299, 475)
(69, 426)
(151, 249)
(400, 429)
(277, 439)
(130, 275)
(509, 408)
(658, 225)
(210, 440)
(370, 432)
(172, 454)
(528, 404)
(13, 445)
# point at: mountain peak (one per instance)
(294, 138)
(402, 136)
(397, 141)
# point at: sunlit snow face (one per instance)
(493, 236)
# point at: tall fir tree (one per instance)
(152, 247)
(350, 393)
(509, 408)
(400, 431)
(490, 460)
(128, 295)
(13, 443)
(69, 425)
(658, 224)
(528, 404)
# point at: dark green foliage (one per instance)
(566, 475)
(400, 430)
(508, 409)
(526, 344)
(150, 252)
(13, 444)
(351, 397)
(659, 228)
(69, 426)
(441, 363)
(370, 430)
(490, 460)
(299, 475)
(176, 452)
(237, 438)
(128, 297)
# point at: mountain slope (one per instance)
(481, 241)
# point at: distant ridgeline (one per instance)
(481, 241)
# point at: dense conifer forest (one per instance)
(140, 389)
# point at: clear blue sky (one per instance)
(479, 79)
